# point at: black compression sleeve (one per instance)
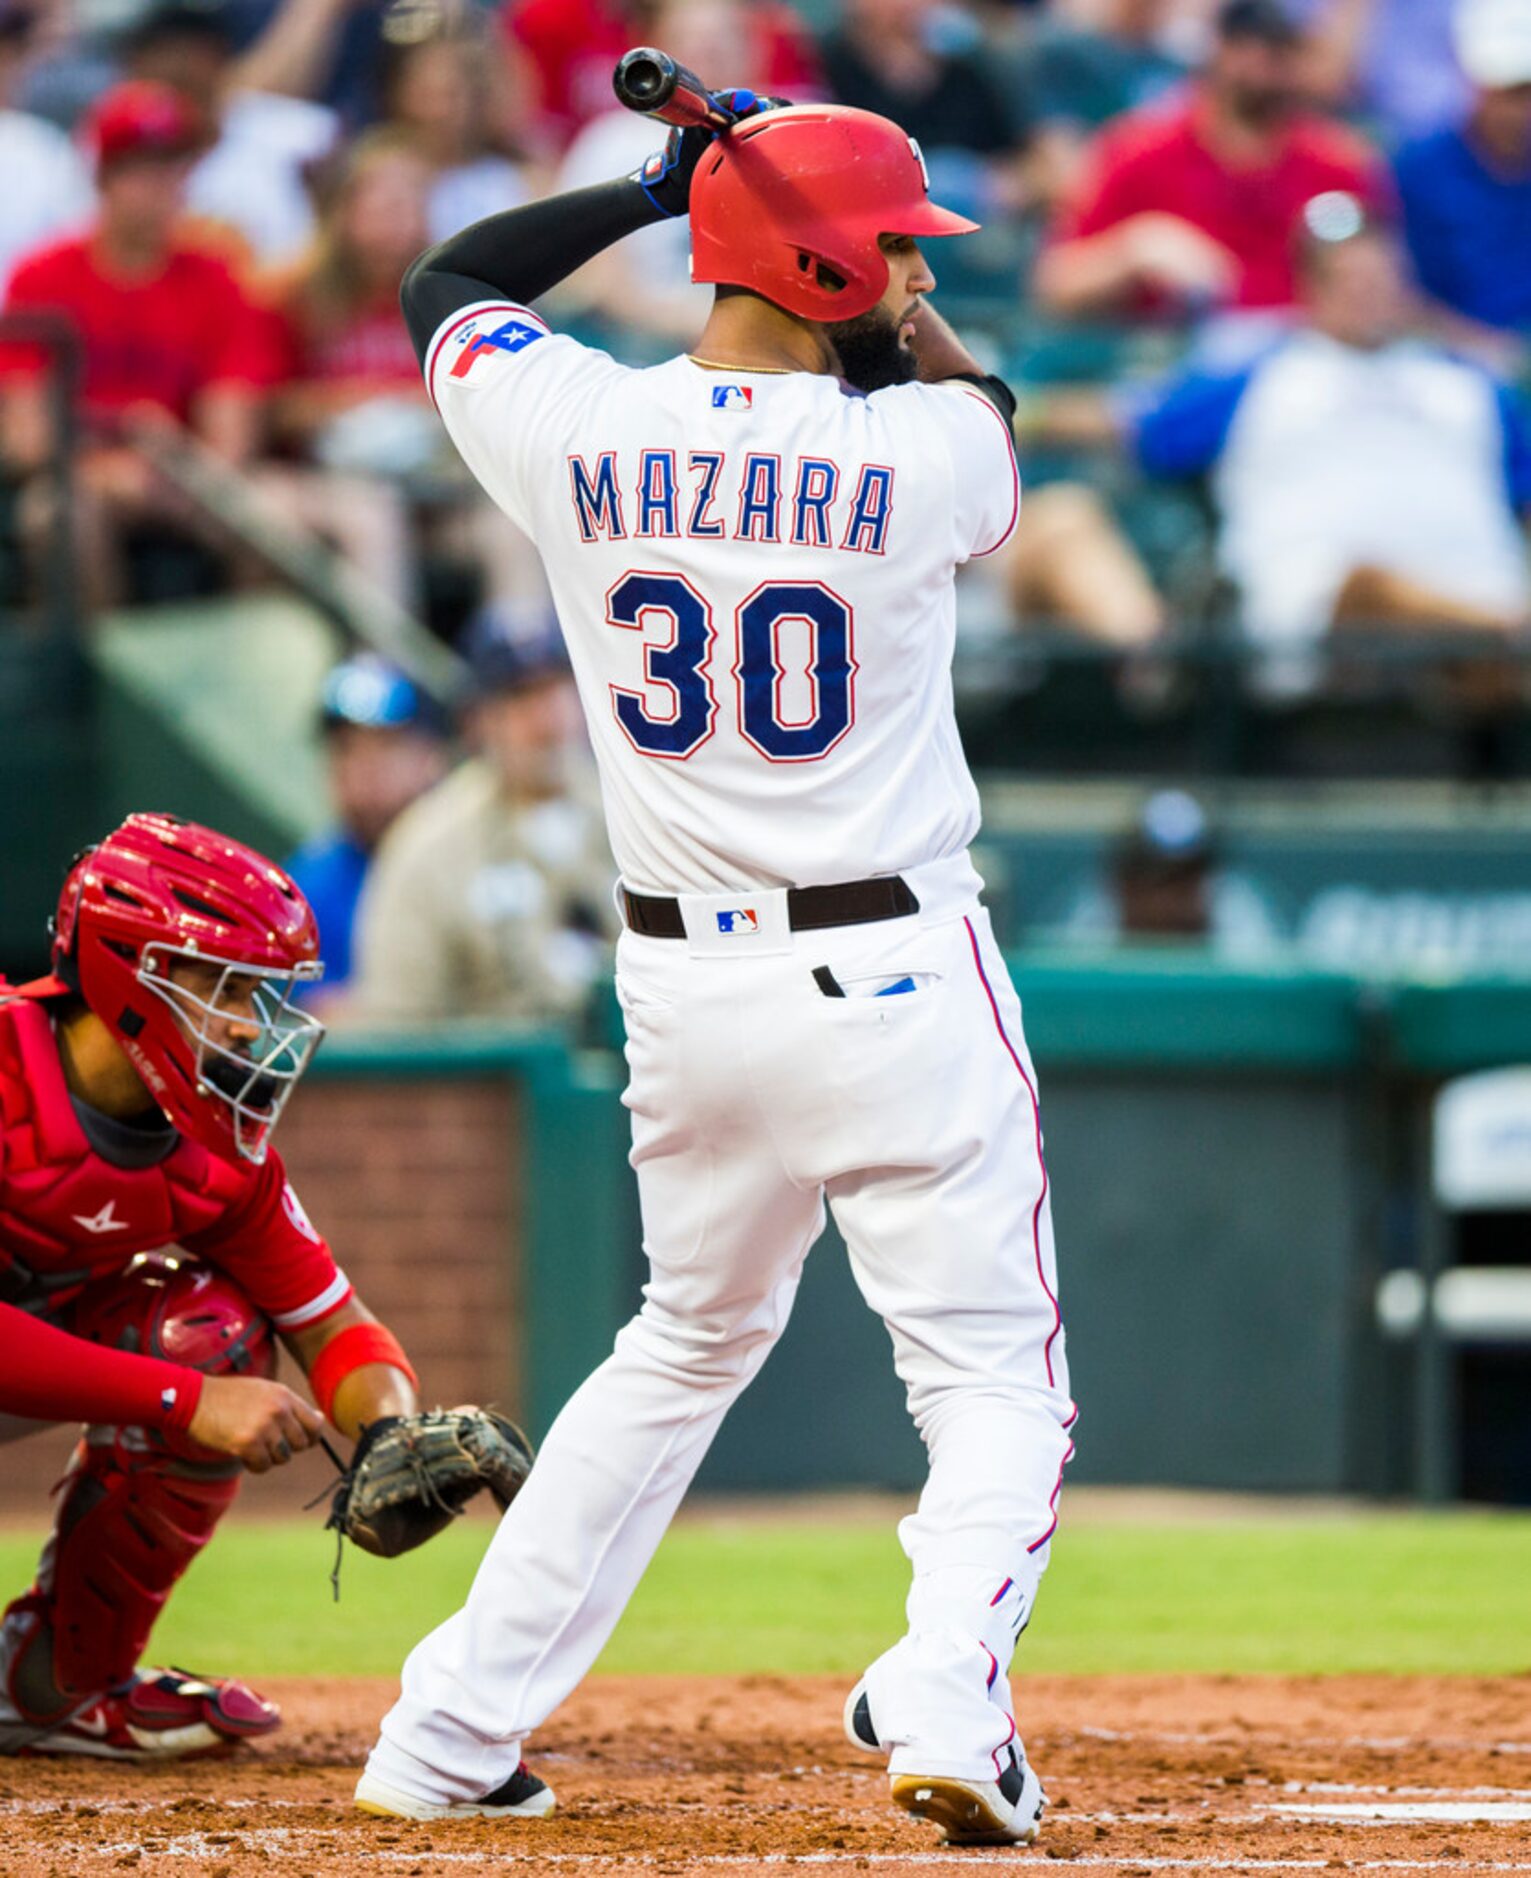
(519, 254)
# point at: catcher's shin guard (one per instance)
(134, 1507)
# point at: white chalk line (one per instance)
(1411, 1812)
(1256, 1738)
(1408, 1792)
(197, 1846)
(1431, 1806)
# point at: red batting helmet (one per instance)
(783, 198)
(221, 1058)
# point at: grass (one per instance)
(1311, 1595)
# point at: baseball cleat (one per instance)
(858, 1721)
(163, 1715)
(523, 1796)
(1007, 1811)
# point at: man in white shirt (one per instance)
(1363, 477)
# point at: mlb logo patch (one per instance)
(737, 921)
(513, 336)
(732, 397)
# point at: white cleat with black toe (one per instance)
(1004, 1811)
(1007, 1811)
(523, 1796)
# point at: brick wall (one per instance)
(417, 1185)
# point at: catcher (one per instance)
(139, 1085)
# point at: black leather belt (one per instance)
(809, 909)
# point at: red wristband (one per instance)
(350, 1349)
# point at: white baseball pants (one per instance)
(756, 1097)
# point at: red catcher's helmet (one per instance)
(781, 195)
(161, 894)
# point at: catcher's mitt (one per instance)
(412, 1474)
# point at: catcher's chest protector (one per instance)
(67, 1215)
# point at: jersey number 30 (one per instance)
(676, 713)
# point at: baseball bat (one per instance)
(655, 85)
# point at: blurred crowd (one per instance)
(1272, 253)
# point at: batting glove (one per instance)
(665, 177)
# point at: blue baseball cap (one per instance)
(367, 691)
(500, 660)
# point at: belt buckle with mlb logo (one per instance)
(727, 926)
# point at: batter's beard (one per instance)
(869, 352)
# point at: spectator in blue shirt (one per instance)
(1466, 191)
(385, 745)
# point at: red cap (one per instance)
(142, 118)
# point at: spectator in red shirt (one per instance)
(1183, 210)
(344, 337)
(168, 339)
(354, 403)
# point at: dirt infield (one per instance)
(692, 1777)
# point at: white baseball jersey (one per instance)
(754, 574)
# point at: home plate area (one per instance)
(691, 1776)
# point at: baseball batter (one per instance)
(752, 551)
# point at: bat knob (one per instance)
(644, 78)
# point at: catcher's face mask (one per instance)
(250, 1041)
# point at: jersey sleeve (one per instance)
(268, 1243)
(508, 388)
(1515, 432)
(985, 474)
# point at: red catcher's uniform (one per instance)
(139, 1500)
